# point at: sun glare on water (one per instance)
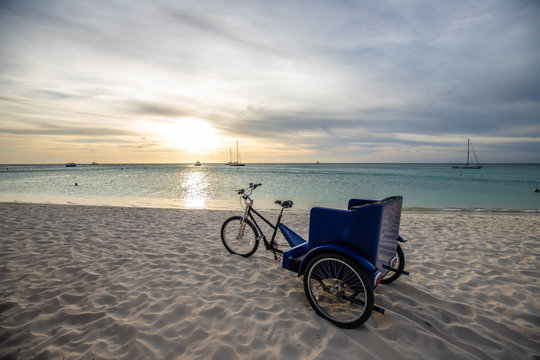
(190, 134)
(195, 189)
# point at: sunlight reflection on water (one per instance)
(195, 189)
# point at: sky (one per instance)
(293, 81)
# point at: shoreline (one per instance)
(448, 211)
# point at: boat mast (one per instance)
(468, 144)
(237, 151)
(476, 157)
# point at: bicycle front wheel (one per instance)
(239, 236)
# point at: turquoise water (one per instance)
(497, 187)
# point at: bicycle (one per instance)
(241, 234)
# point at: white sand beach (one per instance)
(84, 282)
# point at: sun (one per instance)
(190, 134)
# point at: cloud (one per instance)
(337, 76)
(142, 107)
(48, 128)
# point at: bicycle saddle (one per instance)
(284, 203)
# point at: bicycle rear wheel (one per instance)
(239, 236)
(338, 290)
(393, 274)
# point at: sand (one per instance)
(83, 282)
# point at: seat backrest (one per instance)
(371, 230)
(390, 221)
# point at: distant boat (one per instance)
(468, 165)
(236, 163)
(94, 163)
(71, 165)
(197, 163)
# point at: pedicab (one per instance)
(348, 253)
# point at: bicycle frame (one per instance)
(271, 246)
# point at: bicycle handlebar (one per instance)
(250, 188)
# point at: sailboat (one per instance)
(230, 157)
(236, 163)
(468, 165)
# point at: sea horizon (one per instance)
(269, 163)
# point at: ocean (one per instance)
(424, 187)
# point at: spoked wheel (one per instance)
(393, 274)
(338, 290)
(239, 236)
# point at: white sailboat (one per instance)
(468, 165)
(236, 163)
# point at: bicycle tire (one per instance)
(338, 290)
(392, 276)
(244, 245)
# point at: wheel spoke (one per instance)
(394, 273)
(337, 290)
(239, 237)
